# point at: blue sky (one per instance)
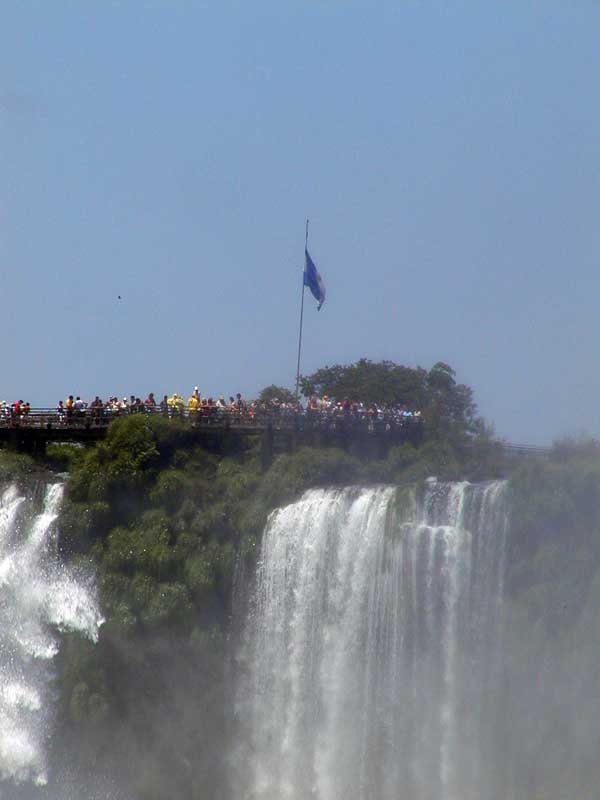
(447, 155)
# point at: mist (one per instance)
(439, 640)
(445, 661)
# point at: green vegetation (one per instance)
(160, 515)
(447, 406)
(164, 518)
(280, 393)
(553, 629)
(165, 522)
(15, 467)
(556, 531)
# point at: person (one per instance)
(113, 406)
(60, 411)
(240, 405)
(220, 407)
(69, 407)
(78, 407)
(193, 405)
(150, 403)
(371, 414)
(96, 409)
(175, 403)
(164, 405)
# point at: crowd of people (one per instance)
(17, 410)
(171, 406)
(323, 410)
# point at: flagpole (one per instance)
(301, 315)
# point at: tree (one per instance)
(448, 407)
(273, 392)
(451, 404)
(372, 382)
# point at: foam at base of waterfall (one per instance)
(369, 648)
(39, 596)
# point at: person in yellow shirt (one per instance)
(193, 406)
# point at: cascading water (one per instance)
(39, 598)
(370, 664)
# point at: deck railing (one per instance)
(525, 449)
(98, 418)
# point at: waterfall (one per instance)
(39, 598)
(370, 664)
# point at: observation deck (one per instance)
(221, 430)
(218, 429)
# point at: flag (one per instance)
(314, 281)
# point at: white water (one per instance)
(39, 598)
(370, 669)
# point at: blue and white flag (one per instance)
(314, 281)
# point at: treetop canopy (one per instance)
(447, 405)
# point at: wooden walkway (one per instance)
(31, 433)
